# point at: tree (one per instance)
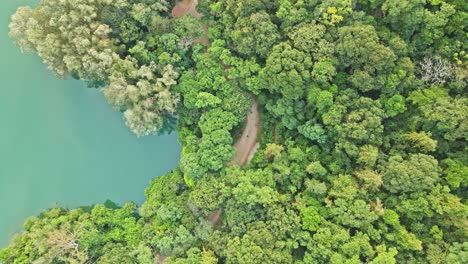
(77, 236)
(361, 155)
(357, 214)
(447, 114)
(310, 218)
(456, 172)
(325, 241)
(371, 180)
(405, 15)
(256, 245)
(195, 255)
(215, 149)
(310, 38)
(316, 169)
(207, 194)
(293, 12)
(435, 71)
(422, 141)
(332, 12)
(68, 36)
(255, 34)
(324, 71)
(384, 256)
(145, 101)
(322, 100)
(244, 8)
(64, 246)
(395, 105)
(368, 155)
(175, 242)
(287, 71)
(358, 46)
(189, 29)
(458, 252)
(360, 124)
(313, 131)
(418, 172)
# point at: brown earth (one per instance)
(190, 7)
(247, 144)
(215, 217)
(161, 259)
(186, 7)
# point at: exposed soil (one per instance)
(247, 143)
(203, 40)
(190, 7)
(215, 217)
(186, 7)
(161, 259)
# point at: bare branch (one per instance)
(435, 71)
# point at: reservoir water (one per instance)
(61, 144)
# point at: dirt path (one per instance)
(247, 143)
(186, 7)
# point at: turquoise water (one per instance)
(61, 144)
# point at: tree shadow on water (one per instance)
(169, 125)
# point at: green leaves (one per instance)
(310, 219)
(391, 217)
(456, 172)
(287, 71)
(255, 34)
(217, 119)
(144, 101)
(313, 131)
(205, 99)
(422, 141)
(418, 172)
(77, 236)
(358, 45)
(343, 172)
(68, 36)
(458, 252)
(310, 38)
(406, 15)
(395, 105)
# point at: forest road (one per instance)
(247, 144)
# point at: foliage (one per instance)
(362, 155)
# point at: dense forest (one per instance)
(362, 154)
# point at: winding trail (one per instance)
(247, 144)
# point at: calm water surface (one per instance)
(61, 144)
